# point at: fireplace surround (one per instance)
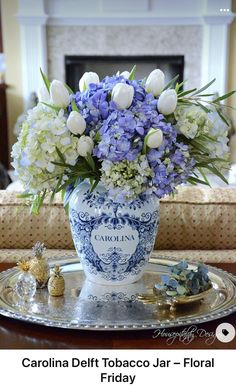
(50, 31)
(75, 66)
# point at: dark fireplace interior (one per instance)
(75, 66)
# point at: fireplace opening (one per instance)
(75, 66)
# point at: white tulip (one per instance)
(76, 123)
(125, 74)
(167, 102)
(84, 145)
(59, 94)
(155, 82)
(122, 94)
(87, 79)
(154, 138)
(43, 94)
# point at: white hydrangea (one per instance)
(35, 151)
(126, 180)
(192, 121)
(219, 131)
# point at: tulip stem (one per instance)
(145, 146)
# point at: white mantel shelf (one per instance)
(140, 20)
(214, 16)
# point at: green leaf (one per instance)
(204, 87)
(45, 79)
(185, 102)
(199, 146)
(209, 161)
(84, 174)
(63, 192)
(56, 189)
(195, 181)
(66, 207)
(206, 95)
(171, 82)
(143, 81)
(63, 165)
(179, 85)
(38, 202)
(69, 89)
(90, 161)
(225, 96)
(204, 176)
(74, 106)
(94, 185)
(56, 108)
(192, 182)
(215, 171)
(61, 156)
(203, 107)
(64, 186)
(25, 195)
(132, 73)
(183, 93)
(221, 115)
(97, 137)
(209, 137)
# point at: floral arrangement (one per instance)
(184, 281)
(138, 137)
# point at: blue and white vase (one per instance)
(113, 240)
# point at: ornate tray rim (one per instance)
(217, 314)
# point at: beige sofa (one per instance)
(196, 224)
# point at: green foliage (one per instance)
(45, 79)
(56, 108)
(74, 106)
(172, 83)
(132, 73)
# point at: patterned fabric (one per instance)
(14, 255)
(196, 218)
(19, 229)
(214, 256)
(217, 256)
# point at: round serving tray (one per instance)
(86, 305)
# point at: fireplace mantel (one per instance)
(214, 16)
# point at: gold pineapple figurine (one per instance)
(39, 266)
(56, 283)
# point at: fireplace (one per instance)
(75, 66)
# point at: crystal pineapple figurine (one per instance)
(26, 283)
(39, 266)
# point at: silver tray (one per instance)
(94, 307)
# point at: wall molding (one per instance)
(32, 20)
(214, 16)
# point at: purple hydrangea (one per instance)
(122, 133)
(119, 137)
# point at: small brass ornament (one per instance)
(39, 266)
(56, 283)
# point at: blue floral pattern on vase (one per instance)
(113, 240)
